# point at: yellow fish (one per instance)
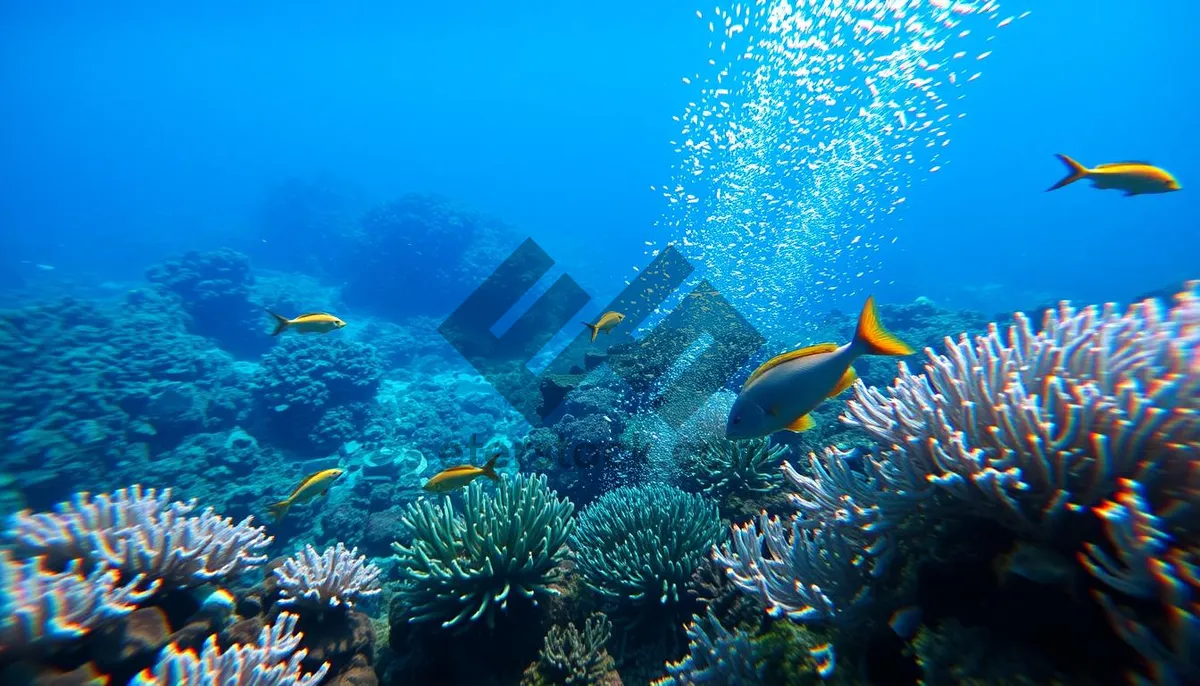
(607, 321)
(312, 322)
(1135, 178)
(456, 477)
(314, 485)
(781, 393)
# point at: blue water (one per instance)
(134, 134)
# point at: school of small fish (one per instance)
(811, 119)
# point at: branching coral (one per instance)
(641, 544)
(41, 608)
(716, 655)
(1030, 426)
(458, 569)
(575, 658)
(725, 467)
(1149, 566)
(334, 578)
(275, 661)
(143, 533)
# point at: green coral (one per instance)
(724, 468)
(641, 544)
(460, 568)
(574, 658)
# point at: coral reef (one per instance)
(574, 658)
(640, 545)
(325, 385)
(143, 533)
(274, 661)
(334, 578)
(726, 469)
(39, 607)
(716, 655)
(458, 569)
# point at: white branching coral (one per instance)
(333, 578)
(40, 608)
(143, 533)
(275, 661)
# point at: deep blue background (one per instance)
(130, 132)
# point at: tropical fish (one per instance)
(1135, 178)
(781, 393)
(313, 486)
(456, 477)
(311, 322)
(607, 321)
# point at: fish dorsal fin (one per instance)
(307, 480)
(311, 314)
(803, 423)
(1123, 163)
(460, 468)
(845, 382)
(792, 355)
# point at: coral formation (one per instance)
(574, 658)
(716, 655)
(143, 533)
(274, 661)
(334, 578)
(724, 468)
(640, 545)
(458, 569)
(39, 607)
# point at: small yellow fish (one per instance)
(311, 322)
(781, 393)
(1135, 178)
(314, 485)
(607, 321)
(456, 477)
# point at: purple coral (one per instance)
(1029, 426)
(275, 661)
(39, 607)
(143, 533)
(333, 578)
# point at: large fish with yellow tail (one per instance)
(781, 393)
(313, 486)
(309, 322)
(456, 477)
(608, 320)
(1135, 178)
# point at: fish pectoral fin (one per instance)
(773, 411)
(801, 424)
(845, 382)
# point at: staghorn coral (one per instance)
(40, 608)
(143, 533)
(274, 661)
(640, 544)
(457, 569)
(575, 658)
(335, 578)
(1030, 426)
(724, 467)
(716, 655)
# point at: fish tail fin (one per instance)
(593, 328)
(281, 323)
(873, 339)
(1075, 172)
(279, 509)
(489, 469)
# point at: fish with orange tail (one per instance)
(1135, 178)
(309, 322)
(313, 486)
(456, 477)
(781, 393)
